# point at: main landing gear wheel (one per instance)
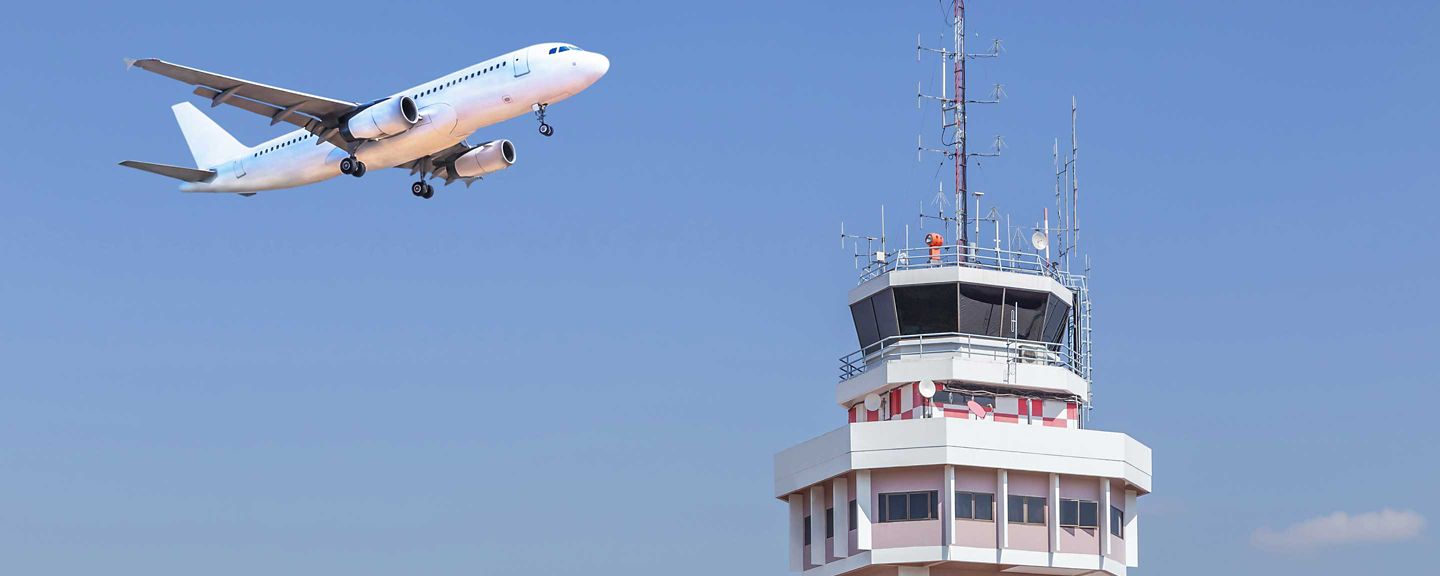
(540, 115)
(352, 166)
(422, 190)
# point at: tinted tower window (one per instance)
(926, 309)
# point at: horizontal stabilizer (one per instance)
(176, 172)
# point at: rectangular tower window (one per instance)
(829, 522)
(1079, 513)
(863, 312)
(854, 522)
(1027, 509)
(974, 506)
(980, 309)
(1117, 522)
(807, 530)
(906, 506)
(927, 309)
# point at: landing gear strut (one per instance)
(352, 166)
(422, 190)
(539, 109)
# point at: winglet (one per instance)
(130, 63)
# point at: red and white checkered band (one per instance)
(904, 402)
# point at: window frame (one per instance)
(1117, 522)
(1025, 506)
(1079, 513)
(973, 515)
(932, 511)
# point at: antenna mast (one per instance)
(961, 133)
(953, 114)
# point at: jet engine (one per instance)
(485, 159)
(384, 118)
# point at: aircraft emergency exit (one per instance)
(422, 129)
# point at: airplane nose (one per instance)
(599, 65)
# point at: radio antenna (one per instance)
(1074, 224)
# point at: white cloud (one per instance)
(1340, 528)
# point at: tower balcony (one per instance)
(1000, 362)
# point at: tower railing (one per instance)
(988, 348)
(972, 256)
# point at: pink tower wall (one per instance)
(973, 533)
(1028, 536)
(1080, 540)
(976, 533)
(903, 534)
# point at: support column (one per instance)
(840, 499)
(1132, 530)
(1053, 518)
(864, 502)
(797, 531)
(1105, 516)
(1002, 509)
(947, 513)
(817, 525)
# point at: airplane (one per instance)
(422, 129)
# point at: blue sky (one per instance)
(586, 363)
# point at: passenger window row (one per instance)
(282, 145)
(472, 75)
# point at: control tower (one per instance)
(966, 447)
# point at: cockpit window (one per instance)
(559, 49)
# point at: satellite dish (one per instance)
(872, 402)
(927, 388)
(976, 409)
(1040, 240)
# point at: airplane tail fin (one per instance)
(209, 143)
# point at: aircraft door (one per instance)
(520, 63)
(239, 169)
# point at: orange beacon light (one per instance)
(934, 241)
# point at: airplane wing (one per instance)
(317, 114)
(438, 165)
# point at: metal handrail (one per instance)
(971, 257)
(1009, 350)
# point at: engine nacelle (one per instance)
(385, 118)
(487, 158)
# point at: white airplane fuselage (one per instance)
(450, 108)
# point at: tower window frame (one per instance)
(909, 506)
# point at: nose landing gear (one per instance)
(352, 166)
(539, 109)
(422, 190)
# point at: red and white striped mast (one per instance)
(953, 114)
(960, 154)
